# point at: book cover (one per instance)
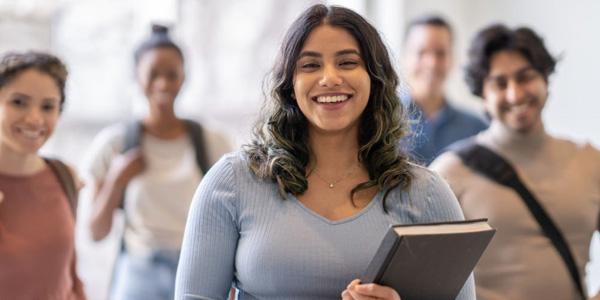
(429, 261)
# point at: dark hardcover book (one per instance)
(429, 261)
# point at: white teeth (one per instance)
(520, 108)
(32, 134)
(332, 99)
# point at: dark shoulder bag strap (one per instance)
(67, 182)
(196, 134)
(133, 138)
(133, 135)
(134, 130)
(496, 168)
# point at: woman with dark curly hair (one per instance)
(37, 195)
(300, 212)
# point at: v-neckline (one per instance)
(376, 199)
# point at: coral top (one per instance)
(37, 256)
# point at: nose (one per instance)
(330, 77)
(515, 92)
(160, 83)
(429, 60)
(34, 116)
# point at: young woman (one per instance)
(153, 181)
(37, 253)
(300, 212)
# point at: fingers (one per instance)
(346, 295)
(1, 196)
(370, 291)
(127, 165)
(133, 152)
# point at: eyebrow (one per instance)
(339, 53)
(21, 95)
(27, 97)
(522, 70)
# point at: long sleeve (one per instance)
(206, 265)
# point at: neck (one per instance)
(164, 125)
(333, 154)
(14, 163)
(525, 145)
(429, 103)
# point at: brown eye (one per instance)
(526, 77)
(348, 64)
(309, 66)
(172, 76)
(49, 107)
(18, 102)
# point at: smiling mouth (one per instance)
(331, 99)
(520, 108)
(32, 134)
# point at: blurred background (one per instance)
(230, 46)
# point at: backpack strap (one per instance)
(133, 138)
(493, 166)
(133, 135)
(196, 133)
(135, 129)
(67, 182)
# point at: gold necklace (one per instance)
(332, 184)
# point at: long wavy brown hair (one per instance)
(280, 151)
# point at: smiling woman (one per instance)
(150, 169)
(299, 212)
(31, 98)
(331, 84)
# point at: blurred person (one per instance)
(427, 61)
(37, 195)
(300, 211)
(510, 70)
(150, 168)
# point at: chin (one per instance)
(522, 129)
(30, 148)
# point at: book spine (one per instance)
(378, 264)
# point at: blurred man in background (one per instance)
(427, 61)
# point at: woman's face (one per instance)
(331, 83)
(29, 111)
(160, 74)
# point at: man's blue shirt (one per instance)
(428, 138)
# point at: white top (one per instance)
(156, 201)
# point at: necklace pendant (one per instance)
(331, 185)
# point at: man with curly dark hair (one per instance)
(510, 70)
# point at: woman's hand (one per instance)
(357, 291)
(109, 192)
(126, 166)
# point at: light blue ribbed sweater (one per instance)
(239, 230)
